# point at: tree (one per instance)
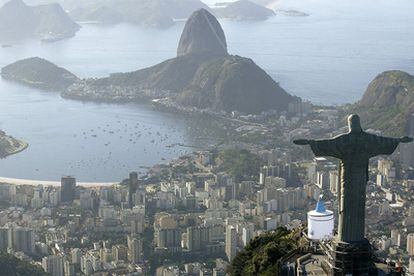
(11, 266)
(261, 255)
(241, 164)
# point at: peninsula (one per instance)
(10, 145)
(39, 73)
(203, 77)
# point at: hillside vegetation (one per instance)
(241, 164)
(261, 255)
(234, 83)
(388, 103)
(39, 73)
(11, 266)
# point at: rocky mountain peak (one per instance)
(202, 34)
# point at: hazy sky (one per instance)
(319, 6)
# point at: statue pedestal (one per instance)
(350, 258)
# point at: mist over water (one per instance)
(332, 55)
(328, 57)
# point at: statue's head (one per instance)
(354, 123)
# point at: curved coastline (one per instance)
(30, 182)
(18, 150)
(22, 146)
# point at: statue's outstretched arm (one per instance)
(406, 139)
(328, 147)
(379, 145)
(301, 142)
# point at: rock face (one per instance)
(244, 10)
(234, 83)
(388, 103)
(202, 33)
(50, 22)
(39, 73)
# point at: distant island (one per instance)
(243, 10)
(10, 145)
(203, 77)
(161, 13)
(39, 73)
(291, 13)
(146, 13)
(48, 23)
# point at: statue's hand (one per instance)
(406, 139)
(301, 142)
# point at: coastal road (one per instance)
(16, 181)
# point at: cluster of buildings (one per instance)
(61, 228)
(192, 216)
(199, 216)
(389, 223)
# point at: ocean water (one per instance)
(328, 57)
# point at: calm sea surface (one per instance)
(328, 57)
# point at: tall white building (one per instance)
(53, 265)
(69, 268)
(107, 211)
(76, 255)
(231, 242)
(247, 235)
(322, 180)
(135, 250)
(334, 181)
(86, 200)
(410, 244)
(4, 232)
(411, 267)
(395, 237)
(86, 265)
(21, 239)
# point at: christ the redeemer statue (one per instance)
(353, 149)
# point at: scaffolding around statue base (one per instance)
(349, 258)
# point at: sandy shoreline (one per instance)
(16, 181)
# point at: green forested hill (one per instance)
(387, 103)
(11, 266)
(261, 255)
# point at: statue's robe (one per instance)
(354, 151)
